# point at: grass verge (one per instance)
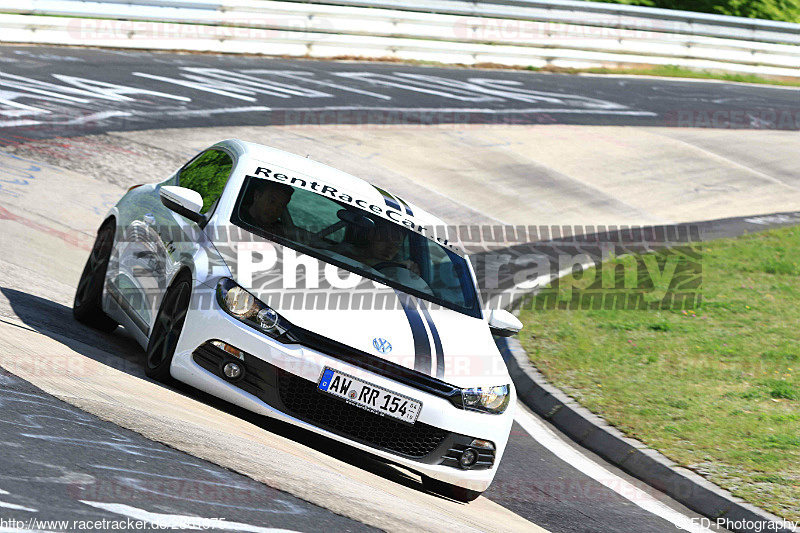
(673, 71)
(716, 390)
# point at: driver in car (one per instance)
(267, 209)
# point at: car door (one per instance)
(138, 270)
(167, 240)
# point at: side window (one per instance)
(207, 174)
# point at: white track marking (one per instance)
(16, 507)
(547, 438)
(18, 123)
(94, 117)
(178, 520)
(215, 111)
(97, 117)
(207, 87)
(4, 491)
(481, 110)
(307, 77)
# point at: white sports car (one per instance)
(302, 293)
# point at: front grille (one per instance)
(302, 400)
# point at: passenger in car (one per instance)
(380, 247)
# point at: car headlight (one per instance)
(487, 399)
(240, 303)
(243, 306)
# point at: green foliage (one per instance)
(785, 10)
(780, 442)
(207, 175)
(782, 389)
(772, 478)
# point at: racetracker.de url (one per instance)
(35, 524)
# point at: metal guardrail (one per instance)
(579, 11)
(578, 6)
(534, 33)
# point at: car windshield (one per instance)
(356, 240)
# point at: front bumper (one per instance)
(280, 382)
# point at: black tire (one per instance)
(86, 307)
(454, 492)
(167, 329)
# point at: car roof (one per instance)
(343, 181)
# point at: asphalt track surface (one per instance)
(531, 481)
(56, 457)
(101, 462)
(48, 92)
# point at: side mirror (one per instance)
(183, 201)
(504, 324)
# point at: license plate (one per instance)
(368, 396)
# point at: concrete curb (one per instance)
(593, 433)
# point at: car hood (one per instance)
(442, 343)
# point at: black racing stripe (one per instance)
(437, 341)
(408, 209)
(388, 198)
(422, 346)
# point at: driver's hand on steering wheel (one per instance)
(410, 265)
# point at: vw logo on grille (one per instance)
(382, 345)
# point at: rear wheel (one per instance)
(167, 330)
(454, 492)
(87, 307)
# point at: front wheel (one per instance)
(87, 307)
(454, 492)
(167, 330)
